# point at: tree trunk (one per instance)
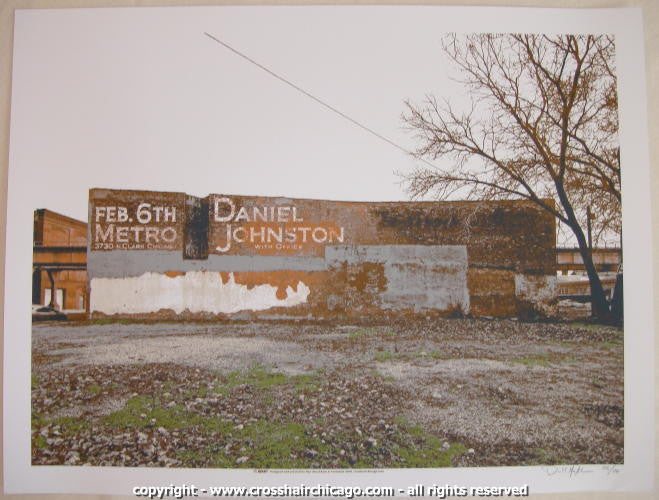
(600, 308)
(598, 304)
(617, 310)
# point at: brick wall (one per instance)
(154, 254)
(58, 241)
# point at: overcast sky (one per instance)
(142, 99)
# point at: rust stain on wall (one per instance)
(490, 281)
(282, 280)
(367, 277)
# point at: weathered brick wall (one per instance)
(171, 254)
(53, 234)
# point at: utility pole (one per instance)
(589, 216)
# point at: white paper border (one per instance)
(637, 472)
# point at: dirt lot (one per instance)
(458, 392)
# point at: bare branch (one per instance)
(541, 123)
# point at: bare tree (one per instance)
(542, 126)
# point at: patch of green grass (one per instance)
(400, 421)
(173, 418)
(420, 449)
(431, 454)
(70, 425)
(384, 356)
(212, 456)
(363, 332)
(257, 376)
(36, 420)
(94, 389)
(39, 442)
(260, 378)
(130, 416)
(414, 430)
(310, 383)
(276, 444)
(585, 326)
(595, 327)
(34, 381)
(200, 392)
(545, 457)
(273, 442)
(210, 424)
(271, 445)
(168, 386)
(370, 331)
(192, 458)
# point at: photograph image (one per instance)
(395, 246)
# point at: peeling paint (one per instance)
(170, 254)
(415, 277)
(196, 292)
(537, 290)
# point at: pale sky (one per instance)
(142, 99)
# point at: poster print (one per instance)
(392, 327)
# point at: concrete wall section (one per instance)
(414, 277)
(125, 264)
(170, 254)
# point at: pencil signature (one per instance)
(569, 470)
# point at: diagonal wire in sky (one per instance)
(318, 100)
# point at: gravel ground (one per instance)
(457, 392)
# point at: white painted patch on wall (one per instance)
(535, 288)
(540, 290)
(197, 291)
